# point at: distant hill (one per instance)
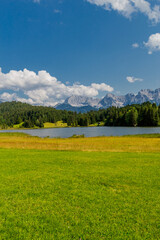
(85, 104)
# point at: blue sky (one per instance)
(84, 47)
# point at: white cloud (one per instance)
(42, 88)
(135, 45)
(102, 87)
(153, 43)
(8, 97)
(128, 7)
(133, 79)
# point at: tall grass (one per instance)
(103, 144)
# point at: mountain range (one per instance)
(85, 104)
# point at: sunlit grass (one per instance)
(16, 126)
(55, 125)
(79, 195)
(97, 124)
(103, 144)
(46, 125)
(98, 188)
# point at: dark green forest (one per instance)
(11, 113)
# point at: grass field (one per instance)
(58, 124)
(150, 143)
(55, 125)
(107, 188)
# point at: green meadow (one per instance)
(49, 194)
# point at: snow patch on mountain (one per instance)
(84, 104)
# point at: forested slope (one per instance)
(29, 116)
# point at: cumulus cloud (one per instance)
(133, 79)
(42, 88)
(102, 87)
(153, 43)
(8, 97)
(128, 7)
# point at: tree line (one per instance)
(11, 113)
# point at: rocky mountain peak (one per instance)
(83, 103)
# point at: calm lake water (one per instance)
(88, 131)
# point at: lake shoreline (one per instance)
(66, 132)
(68, 127)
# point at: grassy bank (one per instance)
(111, 193)
(102, 144)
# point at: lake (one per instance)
(88, 131)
